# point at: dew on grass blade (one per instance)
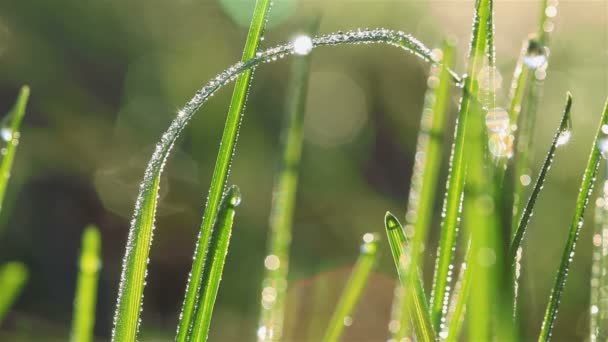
(302, 45)
(497, 120)
(536, 55)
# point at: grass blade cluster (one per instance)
(222, 166)
(276, 263)
(10, 133)
(582, 200)
(456, 178)
(417, 302)
(354, 288)
(83, 320)
(13, 276)
(212, 275)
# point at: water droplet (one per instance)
(6, 133)
(536, 55)
(302, 45)
(348, 321)
(602, 145)
(594, 309)
(501, 145)
(497, 120)
(525, 180)
(272, 262)
(563, 138)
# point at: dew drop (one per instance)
(563, 138)
(6, 133)
(302, 45)
(602, 145)
(536, 55)
(525, 180)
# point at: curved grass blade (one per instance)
(83, 321)
(561, 137)
(129, 301)
(212, 275)
(13, 276)
(222, 167)
(10, 133)
(575, 226)
(598, 310)
(276, 263)
(425, 174)
(353, 289)
(416, 299)
(456, 178)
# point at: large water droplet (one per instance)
(602, 145)
(536, 55)
(563, 138)
(302, 45)
(6, 133)
(497, 120)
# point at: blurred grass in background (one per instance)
(107, 78)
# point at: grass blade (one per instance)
(577, 222)
(561, 137)
(276, 263)
(222, 167)
(10, 133)
(134, 267)
(13, 276)
(212, 275)
(426, 172)
(456, 178)
(598, 310)
(419, 310)
(457, 306)
(83, 321)
(354, 288)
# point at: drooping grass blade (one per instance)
(222, 166)
(276, 263)
(129, 301)
(598, 309)
(83, 320)
(425, 176)
(354, 288)
(416, 299)
(575, 226)
(212, 275)
(13, 276)
(10, 133)
(561, 137)
(456, 178)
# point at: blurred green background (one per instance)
(108, 76)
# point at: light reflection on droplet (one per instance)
(6, 133)
(348, 321)
(497, 120)
(602, 145)
(272, 262)
(302, 45)
(563, 138)
(525, 180)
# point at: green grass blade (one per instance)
(276, 263)
(426, 172)
(515, 252)
(130, 293)
(598, 309)
(457, 308)
(354, 288)
(577, 222)
(222, 167)
(83, 320)
(10, 133)
(456, 178)
(415, 297)
(13, 276)
(212, 275)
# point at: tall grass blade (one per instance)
(536, 63)
(13, 276)
(212, 275)
(10, 133)
(425, 175)
(561, 137)
(354, 288)
(598, 310)
(276, 263)
(457, 309)
(417, 302)
(456, 178)
(83, 320)
(597, 150)
(130, 293)
(222, 167)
